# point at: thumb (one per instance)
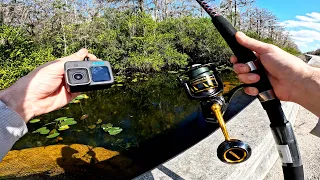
(57, 67)
(252, 44)
(78, 56)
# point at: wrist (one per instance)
(309, 90)
(15, 100)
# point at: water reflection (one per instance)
(142, 109)
(157, 119)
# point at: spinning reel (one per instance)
(202, 82)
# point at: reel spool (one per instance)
(202, 83)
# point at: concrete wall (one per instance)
(201, 162)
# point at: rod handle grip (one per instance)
(293, 173)
(243, 54)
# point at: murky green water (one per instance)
(143, 107)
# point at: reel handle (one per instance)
(230, 151)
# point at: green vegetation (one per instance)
(130, 42)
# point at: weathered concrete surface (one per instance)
(201, 162)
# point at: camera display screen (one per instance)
(100, 73)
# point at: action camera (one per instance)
(83, 76)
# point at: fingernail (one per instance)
(252, 91)
(252, 77)
(241, 34)
(82, 52)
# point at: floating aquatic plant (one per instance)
(34, 121)
(62, 123)
(110, 129)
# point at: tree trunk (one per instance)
(141, 5)
(235, 13)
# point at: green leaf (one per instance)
(39, 130)
(69, 123)
(99, 121)
(62, 128)
(53, 135)
(34, 121)
(82, 96)
(114, 131)
(119, 85)
(60, 118)
(46, 131)
(69, 119)
(135, 80)
(106, 127)
(109, 125)
(172, 72)
(75, 101)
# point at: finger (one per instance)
(233, 59)
(92, 57)
(252, 91)
(249, 78)
(78, 56)
(241, 68)
(252, 44)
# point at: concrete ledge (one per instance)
(201, 162)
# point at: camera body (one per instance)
(83, 76)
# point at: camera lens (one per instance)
(78, 76)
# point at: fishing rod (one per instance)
(281, 128)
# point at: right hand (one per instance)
(286, 72)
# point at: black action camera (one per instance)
(88, 75)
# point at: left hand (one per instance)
(42, 90)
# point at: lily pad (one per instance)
(53, 135)
(69, 123)
(83, 117)
(62, 128)
(46, 131)
(42, 129)
(34, 121)
(82, 96)
(69, 119)
(53, 131)
(114, 131)
(60, 118)
(106, 127)
(75, 101)
(99, 121)
(92, 126)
